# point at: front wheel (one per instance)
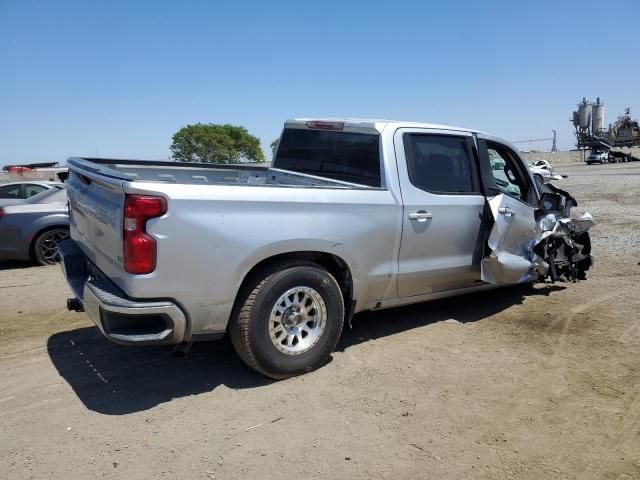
(289, 322)
(45, 247)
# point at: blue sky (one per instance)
(118, 78)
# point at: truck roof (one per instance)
(371, 125)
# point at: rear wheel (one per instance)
(289, 321)
(45, 247)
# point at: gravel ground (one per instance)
(529, 382)
(611, 194)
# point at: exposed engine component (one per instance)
(560, 250)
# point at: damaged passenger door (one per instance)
(512, 200)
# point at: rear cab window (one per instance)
(345, 156)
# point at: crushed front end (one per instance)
(550, 246)
(563, 246)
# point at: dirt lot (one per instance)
(528, 382)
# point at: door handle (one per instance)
(506, 211)
(420, 216)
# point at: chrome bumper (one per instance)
(119, 318)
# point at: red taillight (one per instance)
(1, 212)
(140, 247)
(325, 125)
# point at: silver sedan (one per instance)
(32, 230)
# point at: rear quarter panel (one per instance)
(211, 236)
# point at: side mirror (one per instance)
(552, 202)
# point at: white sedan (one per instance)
(544, 170)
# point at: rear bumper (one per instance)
(119, 318)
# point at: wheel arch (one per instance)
(34, 236)
(333, 263)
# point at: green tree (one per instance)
(212, 143)
(274, 147)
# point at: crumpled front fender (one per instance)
(548, 246)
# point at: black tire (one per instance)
(46, 244)
(250, 327)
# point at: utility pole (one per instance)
(554, 147)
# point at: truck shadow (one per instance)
(16, 264)
(464, 309)
(116, 380)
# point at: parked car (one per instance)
(543, 170)
(42, 197)
(13, 193)
(598, 156)
(33, 229)
(353, 215)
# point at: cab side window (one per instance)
(509, 179)
(440, 163)
(10, 191)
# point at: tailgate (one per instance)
(96, 205)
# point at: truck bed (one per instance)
(204, 173)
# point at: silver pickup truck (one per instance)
(352, 215)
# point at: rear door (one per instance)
(512, 198)
(441, 245)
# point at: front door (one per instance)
(512, 200)
(441, 245)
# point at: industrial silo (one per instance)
(584, 114)
(597, 117)
(576, 119)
